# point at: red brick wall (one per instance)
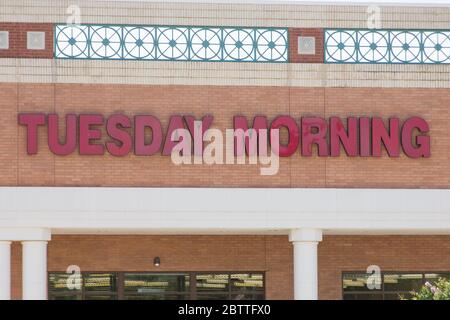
(18, 40)
(271, 254)
(46, 169)
(390, 253)
(294, 33)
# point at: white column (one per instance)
(305, 243)
(34, 270)
(5, 270)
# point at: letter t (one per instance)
(32, 121)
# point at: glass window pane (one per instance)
(397, 296)
(247, 282)
(213, 296)
(100, 297)
(61, 282)
(64, 297)
(161, 296)
(145, 283)
(358, 282)
(242, 296)
(433, 277)
(100, 282)
(212, 282)
(363, 296)
(402, 282)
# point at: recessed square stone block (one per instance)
(4, 40)
(35, 40)
(306, 45)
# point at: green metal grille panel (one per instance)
(387, 46)
(178, 43)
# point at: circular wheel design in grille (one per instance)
(71, 41)
(373, 46)
(436, 47)
(271, 45)
(206, 44)
(106, 42)
(341, 46)
(173, 43)
(405, 47)
(238, 45)
(139, 43)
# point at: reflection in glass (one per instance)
(61, 282)
(242, 296)
(64, 297)
(357, 282)
(433, 277)
(212, 282)
(156, 282)
(246, 282)
(402, 282)
(213, 296)
(158, 286)
(395, 286)
(363, 296)
(99, 282)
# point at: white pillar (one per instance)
(5, 270)
(34, 270)
(305, 243)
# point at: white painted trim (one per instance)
(25, 234)
(225, 210)
(305, 235)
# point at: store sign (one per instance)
(119, 134)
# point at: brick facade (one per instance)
(18, 40)
(46, 169)
(270, 254)
(304, 87)
(294, 56)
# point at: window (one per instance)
(235, 286)
(157, 286)
(91, 286)
(393, 286)
(61, 287)
(100, 286)
(147, 286)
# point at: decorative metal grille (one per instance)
(171, 43)
(387, 46)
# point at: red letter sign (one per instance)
(421, 146)
(381, 135)
(71, 135)
(140, 123)
(87, 134)
(32, 121)
(309, 138)
(338, 134)
(113, 128)
(290, 124)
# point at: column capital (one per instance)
(33, 241)
(305, 235)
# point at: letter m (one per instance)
(250, 137)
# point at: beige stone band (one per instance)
(217, 14)
(223, 73)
